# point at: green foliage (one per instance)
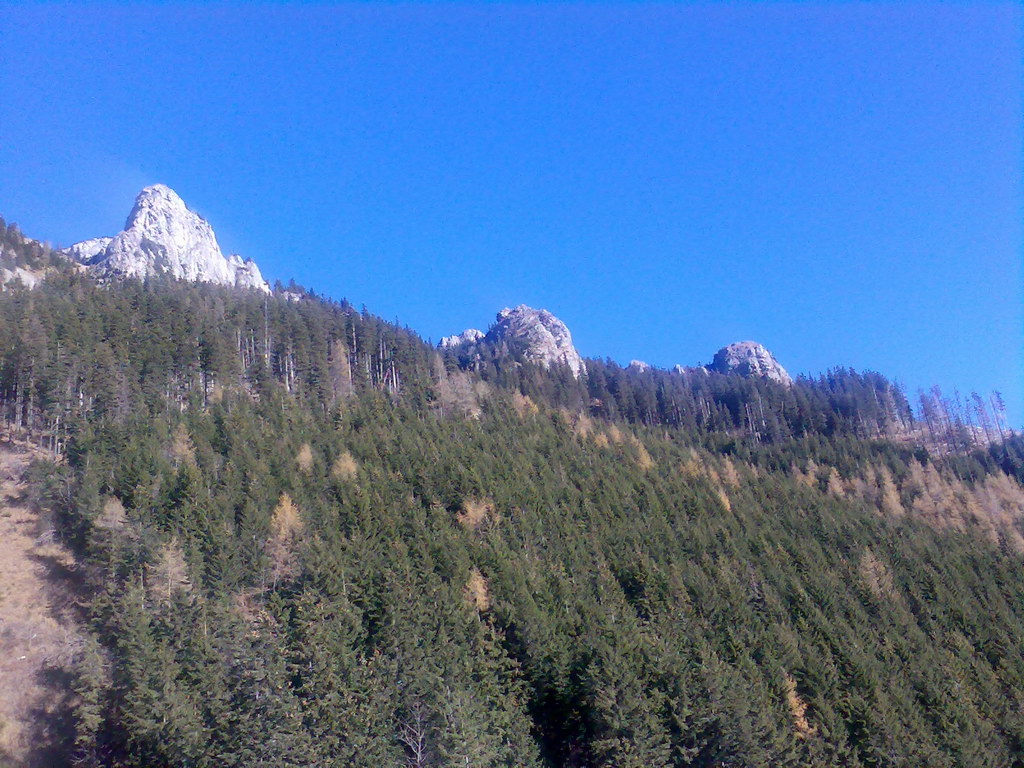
(270, 501)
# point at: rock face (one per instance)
(540, 336)
(638, 365)
(87, 251)
(163, 237)
(27, 277)
(688, 370)
(464, 339)
(748, 358)
(544, 338)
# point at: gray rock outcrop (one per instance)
(535, 333)
(689, 370)
(87, 251)
(464, 339)
(29, 278)
(748, 358)
(544, 338)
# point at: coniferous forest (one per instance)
(306, 537)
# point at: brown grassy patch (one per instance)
(476, 592)
(797, 709)
(39, 584)
(476, 512)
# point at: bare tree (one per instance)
(413, 733)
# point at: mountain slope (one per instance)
(583, 596)
(311, 539)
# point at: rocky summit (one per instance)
(748, 358)
(163, 237)
(464, 339)
(545, 338)
(539, 336)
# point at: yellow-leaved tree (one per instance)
(286, 528)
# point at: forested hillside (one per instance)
(311, 539)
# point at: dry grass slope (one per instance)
(38, 639)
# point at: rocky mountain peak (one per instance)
(158, 206)
(748, 358)
(162, 236)
(545, 338)
(467, 337)
(539, 335)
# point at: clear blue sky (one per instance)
(841, 182)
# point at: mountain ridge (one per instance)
(162, 236)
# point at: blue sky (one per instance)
(841, 182)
